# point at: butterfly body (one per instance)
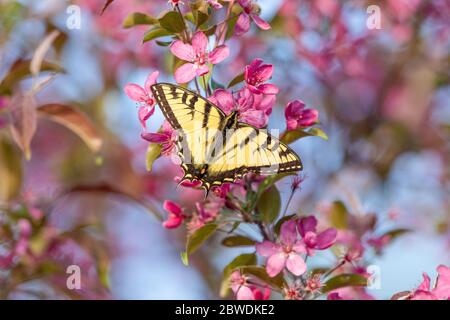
(216, 148)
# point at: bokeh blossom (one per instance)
(197, 57)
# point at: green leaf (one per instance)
(231, 25)
(238, 241)
(153, 153)
(10, 171)
(138, 18)
(200, 12)
(269, 204)
(238, 79)
(155, 33)
(338, 216)
(215, 85)
(270, 181)
(210, 31)
(277, 227)
(260, 273)
(196, 239)
(163, 43)
(245, 259)
(172, 22)
(392, 234)
(344, 280)
(293, 135)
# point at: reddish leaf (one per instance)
(74, 120)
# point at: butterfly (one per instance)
(216, 148)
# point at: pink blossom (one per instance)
(245, 291)
(167, 138)
(197, 57)
(176, 215)
(252, 109)
(215, 4)
(378, 243)
(441, 290)
(256, 73)
(313, 240)
(240, 287)
(249, 12)
(284, 254)
(292, 293)
(144, 96)
(223, 190)
(205, 213)
(297, 116)
(188, 184)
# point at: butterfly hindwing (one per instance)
(250, 149)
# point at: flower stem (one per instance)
(340, 264)
(288, 203)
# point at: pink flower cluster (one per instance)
(287, 252)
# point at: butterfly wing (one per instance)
(198, 122)
(249, 149)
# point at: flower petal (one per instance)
(442, 290)
(144, 114)
(202, 70)
(307, 224)
(151, 80)
(275, 264)
(256, 118)
(242, 24)
(199, 43)
(183, 51)
(326, 238)
(172, 207)
(173, 221)
(244, 293)
(267, 248)
(155, 137)
(295, 264)
(135, 92)
(268, 88)
(262, 24)
(224, 100)
(219, 54)
(185, 73)
(288, 233)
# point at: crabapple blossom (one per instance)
(245, 291)
(249, 12)
(144, 96)
(251, 109)
(441, 290)
(313, 240)
(256, 74)
(167, 138)
(176, 215)
(286, 253)
(297, 116)
(197, 57)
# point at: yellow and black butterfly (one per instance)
(215, 148)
